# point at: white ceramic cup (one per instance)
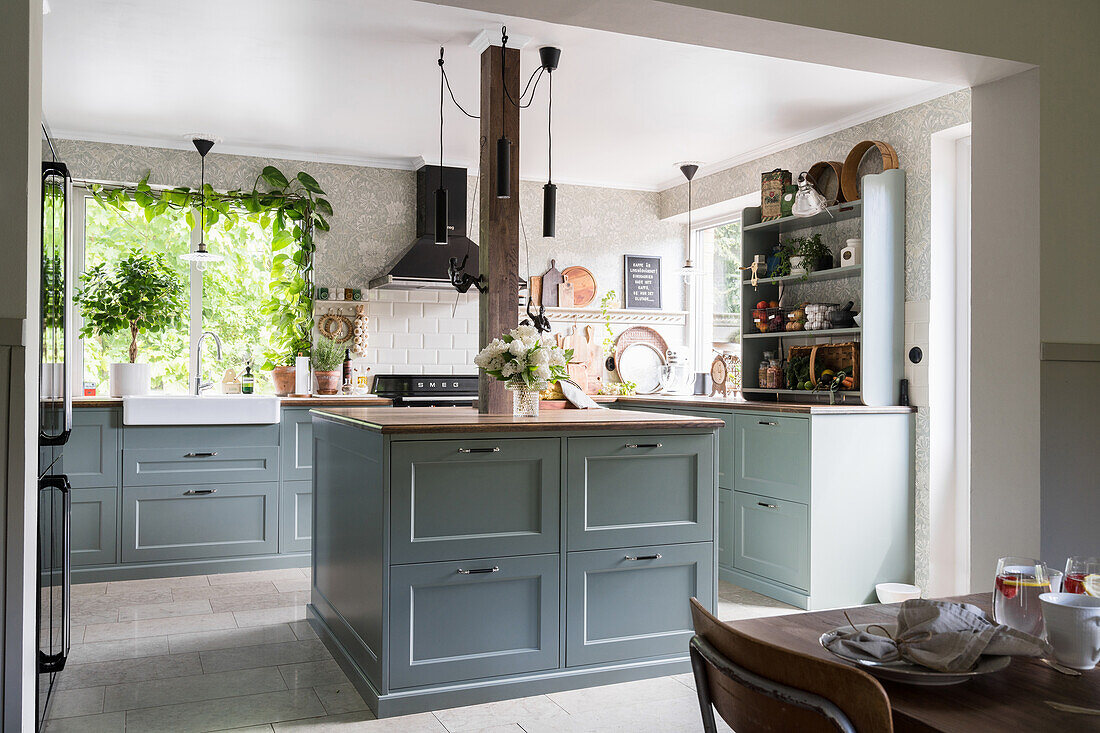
(1073, 628)
(896, 592)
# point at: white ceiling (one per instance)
(356, 81)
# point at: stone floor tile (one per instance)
(260, 602)
(292, 584)
(118, 671)
(312, 674)
(200, 641)
(263, 655)
(103, 651)
(340, 698)
(71, 703)
(102, 723)
(228, 590)
(255, 576)
(248, 710)
(164, 610)
(269, 616)
(526, 710)
(590, 699)
(158, 627)
(221, 688)
(303, 630)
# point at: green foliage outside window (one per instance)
(727, 275)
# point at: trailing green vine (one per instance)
(291, 209)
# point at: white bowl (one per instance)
(896, 592)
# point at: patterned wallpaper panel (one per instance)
(375, 213)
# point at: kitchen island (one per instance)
(461, 558)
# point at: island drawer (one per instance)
(633, 602)
(199, 521)
(773, 456)
(772, 539)
(640, 489)
(197, 462)
(455, 499)
(453, 621)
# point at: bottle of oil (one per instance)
(347, 371)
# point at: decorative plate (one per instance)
(641, 363)
(640, 334)
(905, 672)
(584, 285)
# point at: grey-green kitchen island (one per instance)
(461, 558)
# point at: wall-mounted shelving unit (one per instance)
(879, 281)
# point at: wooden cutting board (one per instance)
(593, 360)
(565, 294)
(584, 285)
(551, 279)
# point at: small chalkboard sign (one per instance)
(643, 282)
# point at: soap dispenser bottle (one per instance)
(248, 380)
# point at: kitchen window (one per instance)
(717, 294)
(224, 297)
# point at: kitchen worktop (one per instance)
(468, 420)
(354, 400)
(731, 403)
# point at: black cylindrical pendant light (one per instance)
(441, 193)
(504, 168)
(549, 209)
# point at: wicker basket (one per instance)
(852, 171)
(838, 357)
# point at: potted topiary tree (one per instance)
(140, 293)
(328, 359)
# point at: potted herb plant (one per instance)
(815, 254)
(328, 362)
(282, 372)
(141, 293)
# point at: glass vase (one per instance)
(525, 397)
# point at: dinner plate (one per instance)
(641, 363)
(904, 672)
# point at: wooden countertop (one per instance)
(740, 404)
(467, 420)
(352, 401)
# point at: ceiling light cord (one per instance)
(535, 77)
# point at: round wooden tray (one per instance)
(867, 157)
(584, 285)
(639, 334)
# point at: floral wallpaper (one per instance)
(375, 213)
(909, 131)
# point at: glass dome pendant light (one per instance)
(689, 270)
(201, 255)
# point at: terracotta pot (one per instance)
(328, 383)
(283, 379)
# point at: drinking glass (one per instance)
(1082, 576)
(1020, 580)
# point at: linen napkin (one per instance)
(576, 395)
(947, 637)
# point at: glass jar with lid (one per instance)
(762, 371)
(775, 373)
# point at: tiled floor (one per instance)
(233, 652)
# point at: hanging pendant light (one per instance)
(689, 170)
(200, 255)
(549, 56)
(441, 203)
(504, 145)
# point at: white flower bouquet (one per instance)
(520, 357)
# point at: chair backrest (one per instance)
(857, 694)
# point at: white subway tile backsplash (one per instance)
(437, 310)
(466, 340)
(389, 324)
(396, 357)
(408, 310)
(454, 325)
(379, 309)
(438, 340)
(423, 356)
(391, 296)
(428, 325)
(452, 356)
(407, 340)
(423, 296)
(381, 340)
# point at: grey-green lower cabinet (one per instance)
(296, 444)
(295, 516)
(92, 453)
(624, 604)
(199, 521)
(94, 526)
(725, 528)
(772, 539)
(454, 621)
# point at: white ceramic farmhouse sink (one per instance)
(204, 410)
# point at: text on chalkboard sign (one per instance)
(643, 282)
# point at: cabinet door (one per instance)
(772, 539)
(197, 521)
(93, 523)
(773, 456)
(725, 528)
(454, 499)
(640, 489)
(296, 445)
(201, 464)
(462, 620)
(91, 455)
(633, 602)
(295, 516)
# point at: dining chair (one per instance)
(758, 686)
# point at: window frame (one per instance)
(81, 196)
(701, 311)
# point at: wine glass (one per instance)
(1019, 582)
(1082, 576)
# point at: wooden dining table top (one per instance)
(1013, 699)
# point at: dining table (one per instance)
(1016, 698)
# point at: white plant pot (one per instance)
(129, 379)
(796, 266)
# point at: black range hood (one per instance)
(424, 264)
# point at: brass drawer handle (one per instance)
(645, 445)
(767, 422)
(200, 492)
(206, 454)
(656, 556)
(479, 571)
(767, 506)
(494, 449)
